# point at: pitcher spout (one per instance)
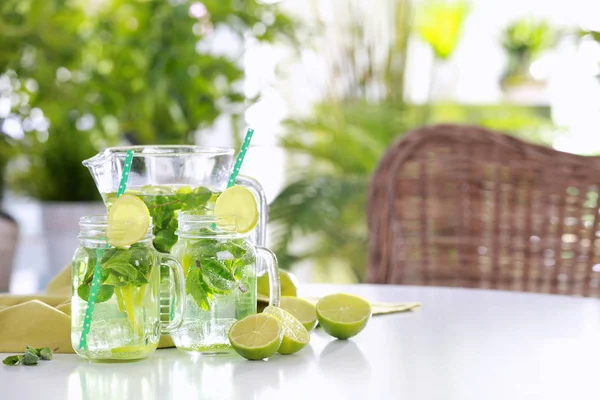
(98, 159)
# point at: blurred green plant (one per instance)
(6, 153)
(524, 41)
(83, 74)
(319, 216)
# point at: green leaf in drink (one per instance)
(217, 276)
(165, 239)
(194, 285)
(104, 293)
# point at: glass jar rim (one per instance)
(93, 227)
(197, 224)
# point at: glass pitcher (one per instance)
(171, 179)
(126, 321)
(221, 268)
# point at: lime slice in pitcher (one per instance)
(238, 206)
(128, 221)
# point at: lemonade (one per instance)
(220, 265)
(220, 270)
(126, 319)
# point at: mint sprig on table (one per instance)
(216, 269)
(31, 356)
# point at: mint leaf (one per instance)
(12, 360)
(104, 293)
(32, 350)
(217, 276)
(30, 357)
(195, 286)
(83, 291)
(45, 353)
(124, 269)
(236, 247)
(197, 199)
(164, 240)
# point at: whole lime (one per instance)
(287, 282)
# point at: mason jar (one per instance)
(133, 307)
(221, 267)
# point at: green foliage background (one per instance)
(134, 66)
(319, 217)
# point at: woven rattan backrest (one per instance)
(453, 205)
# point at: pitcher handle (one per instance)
(259, 193)
(176, 307)
(270, 259)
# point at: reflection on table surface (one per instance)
(174, 374)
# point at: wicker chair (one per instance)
(453, 205)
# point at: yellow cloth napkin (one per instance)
(44, 320)
(377, 308)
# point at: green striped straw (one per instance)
(87, 321)
(240, 158)
(238, 163)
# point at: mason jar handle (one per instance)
(270, 259)
(176, 308)
(259, 193)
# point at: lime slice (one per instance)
(133, 352)
(287, 284)
(295, 335)
(238, 204)
(128, 221)
(343, 315)
(256, 337)
(303, 310)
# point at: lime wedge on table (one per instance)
(238, 205)
(343, 315)
(295, 335)
(256, 337)
(303, 310)
(128, 221)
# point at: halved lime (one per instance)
(343, 315)
(256, 337)
(238, 204)
(128, 221)
(287, 284)
(303, 310)
(295, 335)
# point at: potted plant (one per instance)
(524, 41)
(51, 172)
(9, 230)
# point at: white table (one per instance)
(462, 344)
